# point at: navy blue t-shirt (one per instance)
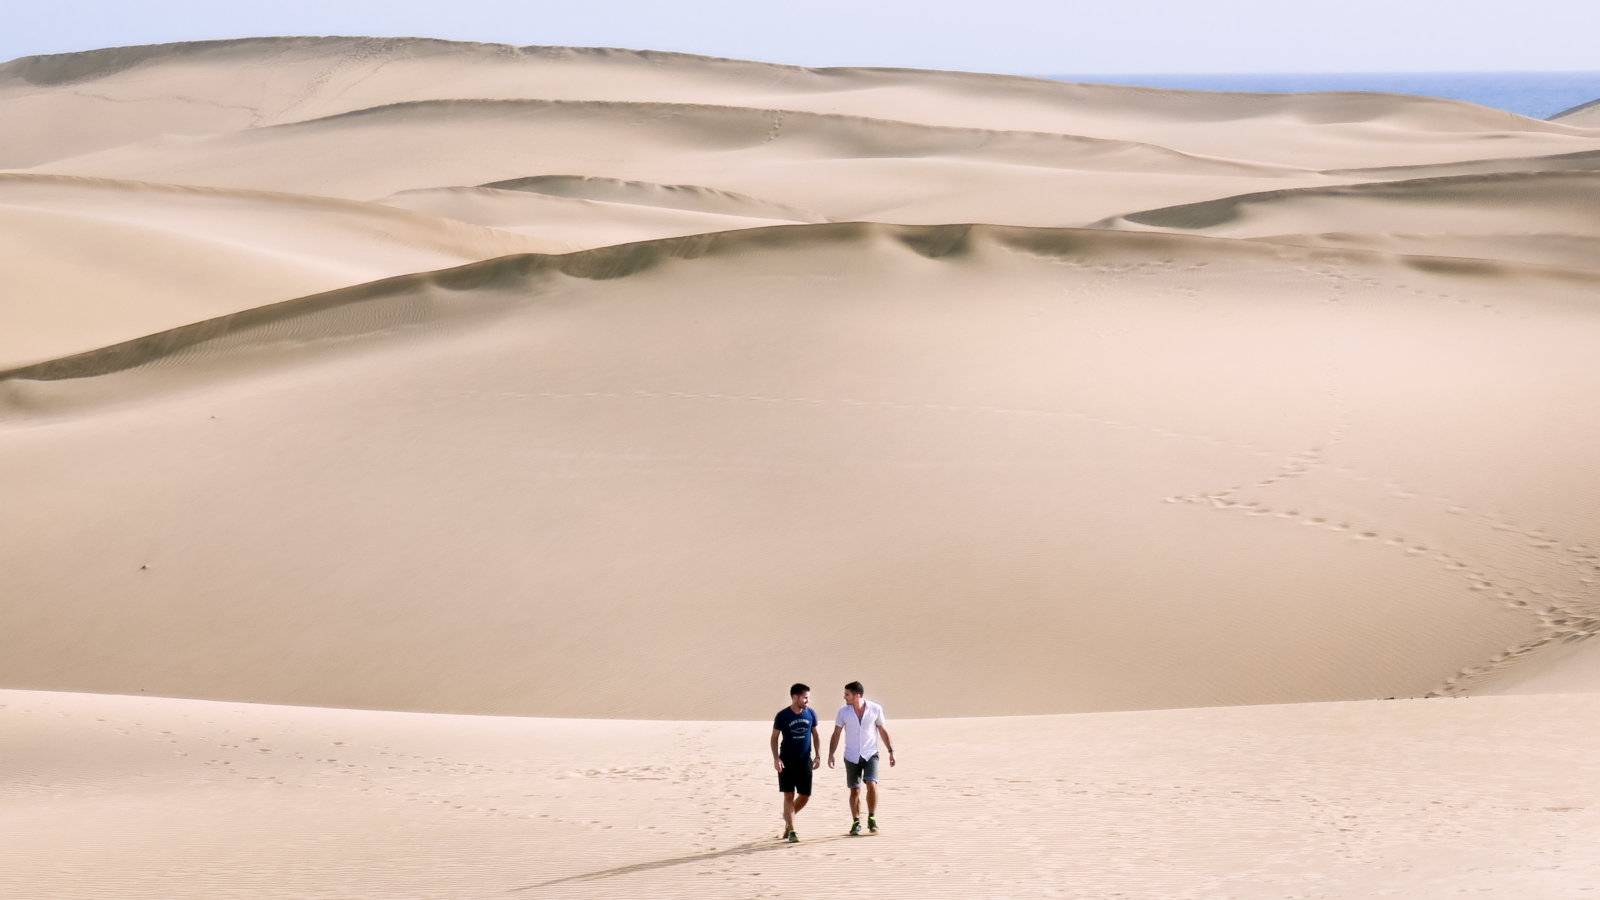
(797, 728)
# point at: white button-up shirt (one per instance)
(860, 735)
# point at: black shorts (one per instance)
(796, 776)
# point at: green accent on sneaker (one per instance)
(872, 823)
(793, 838)
(855, 827)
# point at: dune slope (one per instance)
(559, 224)
(90, 262)
(1047, 460)
(91, 101)
(1584, 115)
(838, 167)
(1550, 217)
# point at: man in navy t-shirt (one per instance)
(795, 754)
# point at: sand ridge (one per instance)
(1584, 115)
(320, 76)
(1550, 216)
(94, 260)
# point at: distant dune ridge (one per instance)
(425, 376)
(1583, 115)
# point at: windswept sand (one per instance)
(1548, 217)
(1063, 461)
(120, 797)
(90, 262)
(563, 224)
(630, 387)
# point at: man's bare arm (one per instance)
(888, 743)
(777, 736)
(833, 744)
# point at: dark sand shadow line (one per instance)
(739, 850)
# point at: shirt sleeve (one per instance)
(882, 719)
(777, 722)
(838, 718)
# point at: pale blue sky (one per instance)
(1104, 36)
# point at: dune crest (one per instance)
(691, 197)
(93, 261)
(1545, 217)
(74, 98)
(1584, 115)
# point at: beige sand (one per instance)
(128, 797)
(1549, 217)
(462, 379)
(563, 224)
(1584, 115)
(1067, 461)
(93, 101)
(90, 262)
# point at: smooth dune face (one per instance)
(1065, 447)
(455, 378)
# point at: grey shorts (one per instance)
(857, 772)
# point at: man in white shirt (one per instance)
(862, 723)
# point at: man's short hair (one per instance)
(855, 687)
(797, 688)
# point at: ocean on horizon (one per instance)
(1536, 94)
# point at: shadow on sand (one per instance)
(739, 850)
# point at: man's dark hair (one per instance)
(855, 687)
(798, 688)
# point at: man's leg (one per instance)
(788, 812)
(801, 782)
(869, 774)
(852, 780)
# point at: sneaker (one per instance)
(855, 828)
(792, 838)
(872, 824)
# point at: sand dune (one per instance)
(463, 378)
(928, 420)
(689, 197)
(1550, 217)
(834, 166)
(562, 224)
(91, 101)
(1584, 115)
(1583, 161)
(183, 799)
(91, 262)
